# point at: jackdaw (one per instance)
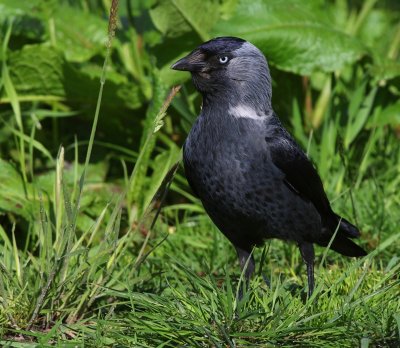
(254, 180)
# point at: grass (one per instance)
(355, 301)
(185, 292)
(93, 270)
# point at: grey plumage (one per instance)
(253, 179)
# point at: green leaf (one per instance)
(41, 72)
(13, 196)
(25, 16)
(37, 70)
(34, 143)
(378, 32)
(294, 37)
(358, 114)
(79, 34)
(81, 85)
(388, 116)
(176, 17)
(385, 70)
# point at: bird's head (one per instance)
(229, 67)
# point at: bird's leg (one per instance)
(247, 265)
(307, 252)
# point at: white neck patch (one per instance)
(245, 111)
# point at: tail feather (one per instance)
(342, 242)
(347, 247)
(348, 229)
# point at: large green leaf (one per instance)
(80, 35)
(294, 36)
(41, 72)
(37, 70)
(25, 18)
(176, 17)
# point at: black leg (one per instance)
(266, 280)
(247, 264)
(307, 252)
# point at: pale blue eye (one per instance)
(223, 59)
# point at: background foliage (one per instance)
(79, 260)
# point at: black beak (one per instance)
(193, 62)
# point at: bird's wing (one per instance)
(302, 178)
(300, 174)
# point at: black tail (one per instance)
(346, 246)
(342, 244)
(347, 229)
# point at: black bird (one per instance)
(254, 180)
